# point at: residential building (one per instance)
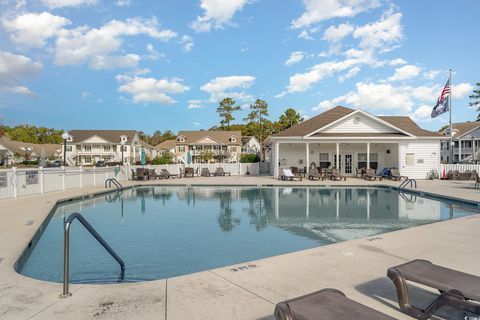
(12, 152)
(350, 139)
(149, 150)
(250, 145)
(466, 139)
(166, 146)
(225, 146)
(86, 147)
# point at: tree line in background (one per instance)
(256, 123)
(32, 134)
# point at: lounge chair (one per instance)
(220, 172)
(371, 175)
(296, 171)
(477, 179)
(287, 174)
(188, 173)
(457, 289)
(153, 175)
(395, 175)
(359, 172)
(314, 174)
(337, 175)
(141, 174)
(206, 173)
(326, 304)
(167, 175)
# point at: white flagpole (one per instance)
(450, 109)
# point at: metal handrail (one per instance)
(403, 185)
(66, 249)
(115, 182)
(412, 198)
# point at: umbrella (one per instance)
(143, 157)
(189, 157)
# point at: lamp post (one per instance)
(122, 146)
(65, 137)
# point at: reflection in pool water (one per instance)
(165, 231)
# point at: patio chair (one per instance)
(371, 175)
(314, 174)
(395, 175)
(457, 289)
(287, 174)
(141, 174)
(220, 172)
(206, 173)
(296, 171)
(167, 175)
(477, 179)
(153, 175)
(337, 175)
(326, 304)
(359, 172)
(188, 173)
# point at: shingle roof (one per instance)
(19, 147)
(329, 116)
(459, 129)
(166, 145)
(146, 145)
(110, 135)
(221, 136)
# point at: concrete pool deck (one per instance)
(357, 267)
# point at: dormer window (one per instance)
(233, 139)
(181, 139)
(123, 138)
(70, 138)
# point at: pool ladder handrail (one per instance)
(410, 199)
(66, 249)
(117, 184)
(403, 185)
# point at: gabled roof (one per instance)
(35, 149)
(146, 145)
(462, 128)
(222, 137)
(246, 139)
(307, 127)
(166, 145)
(110, 135)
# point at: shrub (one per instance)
(164, 159)
(249, 158)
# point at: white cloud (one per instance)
(195, 104)
(335, 34)
(406, 72)
(305, 35)
(321, 10)
(100, 62)
(148, 90)
(187, 43)
(33, 29)
(154, 54)
(217, 14)
(431, 74)
(422, 112)
(86, 94)
(350, 74)
(381, 34)
(196, 124)
(461, 90)
(231, 86)
(123, 3)
(295, 57)
(397, 62)
(13, 68)
(53, 4)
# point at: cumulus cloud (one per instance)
(151, 90)
(350, 74)
(13, 68)
(33, 29)
(187, 43)
(195, 104)
(54, 4)
(154, 54)
(422, 112)
(231, 86)
(461, 90)
(123, 3)
(217, 14)
(321, 10)
(337, 33)
(406, 72)
(431, 74)
(295, 57)
(382, 34)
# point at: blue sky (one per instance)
(164, 65)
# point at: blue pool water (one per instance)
(166, 231)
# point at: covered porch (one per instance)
(348, 156)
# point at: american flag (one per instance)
(442, 105)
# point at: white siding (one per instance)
(426, 150)
(365, 124)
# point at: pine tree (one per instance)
(225, 109)
(475, 96)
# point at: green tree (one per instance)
(256, 119)
(288, 118)
(475, 97)
(225, 110)
(207, 155)
(168, 135)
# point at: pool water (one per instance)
(166, 231)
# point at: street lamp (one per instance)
(65, 137)
(122, 143)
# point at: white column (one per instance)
(277, 160)
(338, 155)
(473, 150)
(307, 148)
(459, 150)
(368, 155)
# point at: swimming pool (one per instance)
(166, 231)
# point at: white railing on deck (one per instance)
(460, 167)
(235, 169)
(17, 182)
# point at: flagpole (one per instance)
(450, 108)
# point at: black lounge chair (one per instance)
(168, 175)
(457, 289)
(189, 173)
(326, 304)
(206, 173)
(140, 174)
(220, 172)
(153, 175)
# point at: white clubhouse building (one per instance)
(349, 139)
